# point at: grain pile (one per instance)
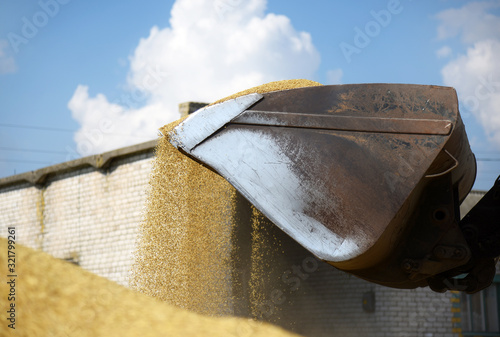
(185, 255)
(56, 298)
(272, 86)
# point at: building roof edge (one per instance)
(98, 161)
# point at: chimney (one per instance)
(187, 108)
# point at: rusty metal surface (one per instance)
(367, 177)
(346, 123)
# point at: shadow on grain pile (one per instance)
(57, 298)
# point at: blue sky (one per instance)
(81, 77)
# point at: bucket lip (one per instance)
(390, 100)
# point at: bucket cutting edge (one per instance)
(204, 122)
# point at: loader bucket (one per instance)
(366, 177)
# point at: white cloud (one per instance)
(476, 74)
(472, 22)
(334, 76)
(443, 52)
(106, 125)
(7, 61)
(210, 50)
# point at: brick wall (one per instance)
(308, 296)
(21, 206)
(85, 215)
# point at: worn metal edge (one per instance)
(206, 121)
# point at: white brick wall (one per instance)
(20, 206)
(398, 313)
(85, 214)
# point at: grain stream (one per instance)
(185, 254)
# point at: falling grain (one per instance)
(185, 249)
(185, 238)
